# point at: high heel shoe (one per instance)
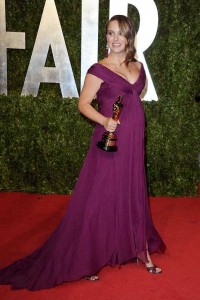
(92, 278)
(154, 269)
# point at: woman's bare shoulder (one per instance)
(104, 62)
(135, 64)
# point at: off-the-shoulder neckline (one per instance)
(116, 74)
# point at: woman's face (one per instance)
(116, 41)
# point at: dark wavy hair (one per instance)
(127, 29)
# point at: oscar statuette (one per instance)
(109, 139)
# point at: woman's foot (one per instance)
(151, 268)
(154, 269)
(92, 278)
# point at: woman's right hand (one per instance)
(110, 125)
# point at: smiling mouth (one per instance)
(116, 44)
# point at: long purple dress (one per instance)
(108, 220)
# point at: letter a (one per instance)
(50, 35)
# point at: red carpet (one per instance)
(26, 220)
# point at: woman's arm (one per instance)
(88, 93)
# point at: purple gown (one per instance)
(108, 219)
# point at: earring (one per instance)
(106, 52)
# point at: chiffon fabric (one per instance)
(108, 220)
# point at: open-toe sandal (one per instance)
(154, 269)
(92, 278)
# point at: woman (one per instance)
(108, 221)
